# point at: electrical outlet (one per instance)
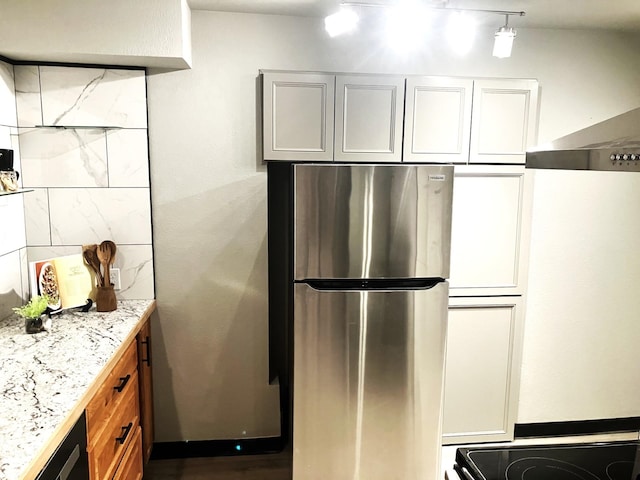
(114, 273)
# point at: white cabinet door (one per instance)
(369, 113)
(437, 119)
(504, 120)
(482, 369)
(489, 231)
(298, 110)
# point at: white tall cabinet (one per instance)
(482, 368)
(490, 231)
(484, 127)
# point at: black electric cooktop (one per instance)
(593, 461)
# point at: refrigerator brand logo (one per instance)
(437, 178)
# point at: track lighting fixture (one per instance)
(503, 42)
(343, 21)
(460, 28)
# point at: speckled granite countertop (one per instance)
(46, 379)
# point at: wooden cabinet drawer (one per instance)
(108, 447)
(113, 390)
(131, 465)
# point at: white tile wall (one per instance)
(24, 271)
(136, 271)
(5, 137)
(36, 208)
(128, 158)
(12, 222)
(93, 97)
(7, 96)
(28, 95)
(15, 145)
(11, 292)
(42, 253)
(54, 157)
(89, 184)
(134, 261)
(86, 215)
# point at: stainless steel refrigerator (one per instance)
(358, 261)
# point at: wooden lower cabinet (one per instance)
(131, 465)
(120, 415)
(146, 389)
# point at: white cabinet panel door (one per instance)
(504, 120)
(490, 231)
(482, 369)
(298, 116)
(437, 119)
(369, 118)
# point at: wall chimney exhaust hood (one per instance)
(611, 145)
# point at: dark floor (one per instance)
(240, 467)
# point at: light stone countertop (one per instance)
(47, 379)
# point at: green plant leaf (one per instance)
(34, 308)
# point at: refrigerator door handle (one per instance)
(374, 284)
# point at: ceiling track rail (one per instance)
(441, 6)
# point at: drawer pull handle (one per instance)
(123, 383)
(125, 433)
(147, 345)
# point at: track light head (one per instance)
(344, 21)
(503, 42)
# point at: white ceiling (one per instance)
(605, 14)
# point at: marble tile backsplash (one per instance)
(13, 252)
(7, 95)
(93, 97)
(55, 157)
(27, 79)
(90, 215)
(80, 139)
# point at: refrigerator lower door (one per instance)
(368, 375)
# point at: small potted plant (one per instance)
(33, 312)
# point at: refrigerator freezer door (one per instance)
(368, 375)
(372, 221)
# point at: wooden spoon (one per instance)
(104, 255)
(113, 248)
(90, 255)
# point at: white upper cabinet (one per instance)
(489, 231)
(437, 119)
(298, 116)
(369, 118)
(366, 118)
(504, 120)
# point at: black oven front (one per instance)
(70, 461)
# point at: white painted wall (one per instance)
(118, 32)
(209, 196)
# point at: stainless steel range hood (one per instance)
(611, 145)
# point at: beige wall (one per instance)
(209, 193)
